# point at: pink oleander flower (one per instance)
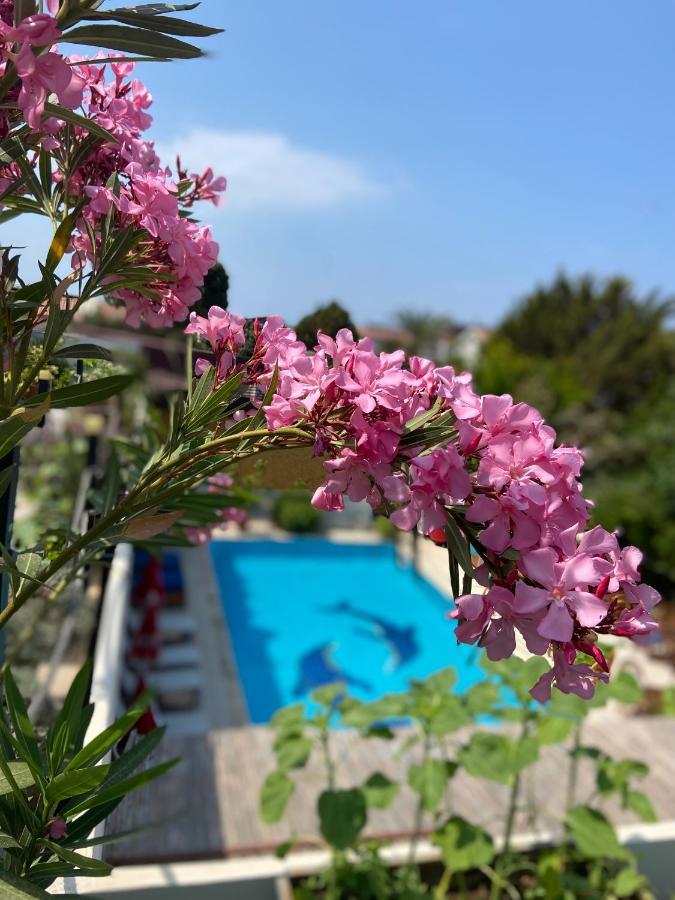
(563, 593)
(568, 677)
(492, 619)
(41, 76)
(435, 481)
(37, 31)
(57, 828)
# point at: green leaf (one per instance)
(276, 791)
(87, 864)
(96, 749)
(122, 788)
(380, 791)
(458, 545)
(440, 682)
(143, 527)
(82, 351)
(496, 756)
(6, 478)
(28, 564)
(16, 427)
(7, 842)
(463, 846)
(88, 391)
(13, 888)
(450, 716)
(429, 781)
(328, 694)
(23, 727)
(61, 239)
(422, 418)
(292, 751)
(62, 735)
(132, 758)
(552, 730)
(342, 816)
(639, 803)
(289, 717)
(482, 698)
(628, 882)
(132, 40)
(593, 835)
(76, 782)
(153, 21)
(59, 112)
(625, 688)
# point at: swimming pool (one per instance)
(307, 612)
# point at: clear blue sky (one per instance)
(446, 155)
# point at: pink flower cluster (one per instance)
(508, 486)
(177, 250)
(145, 198)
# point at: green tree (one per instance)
(599, 362)
(329, 319)
(214, 291)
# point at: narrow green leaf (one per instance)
(14, 888)
(82, 351)
(87, 864)
(60, 112)
(132, 758)
(22, 775)
(61, 239)
(153, 21)
(66, 725)
(86, 392)
(6, 478)
(75, 782)
(23, 727)
(132, 40)
(7, 842)
(458, 546)
(97, 748)
(122, 788)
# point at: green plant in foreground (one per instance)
(55, 791)
(590, 861)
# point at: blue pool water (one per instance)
(306, 612)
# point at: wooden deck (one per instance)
(209, 802)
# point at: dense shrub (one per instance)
(294, 512)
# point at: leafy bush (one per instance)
(293, 512)
(54, 791)
(386, 530)
(590, 861)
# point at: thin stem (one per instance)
(419, 812)
(443, 885)
(574, 766)
(328, 762)
(512, 811)
(188, 366)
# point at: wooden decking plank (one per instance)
(221, 774)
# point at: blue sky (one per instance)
(444, 155)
